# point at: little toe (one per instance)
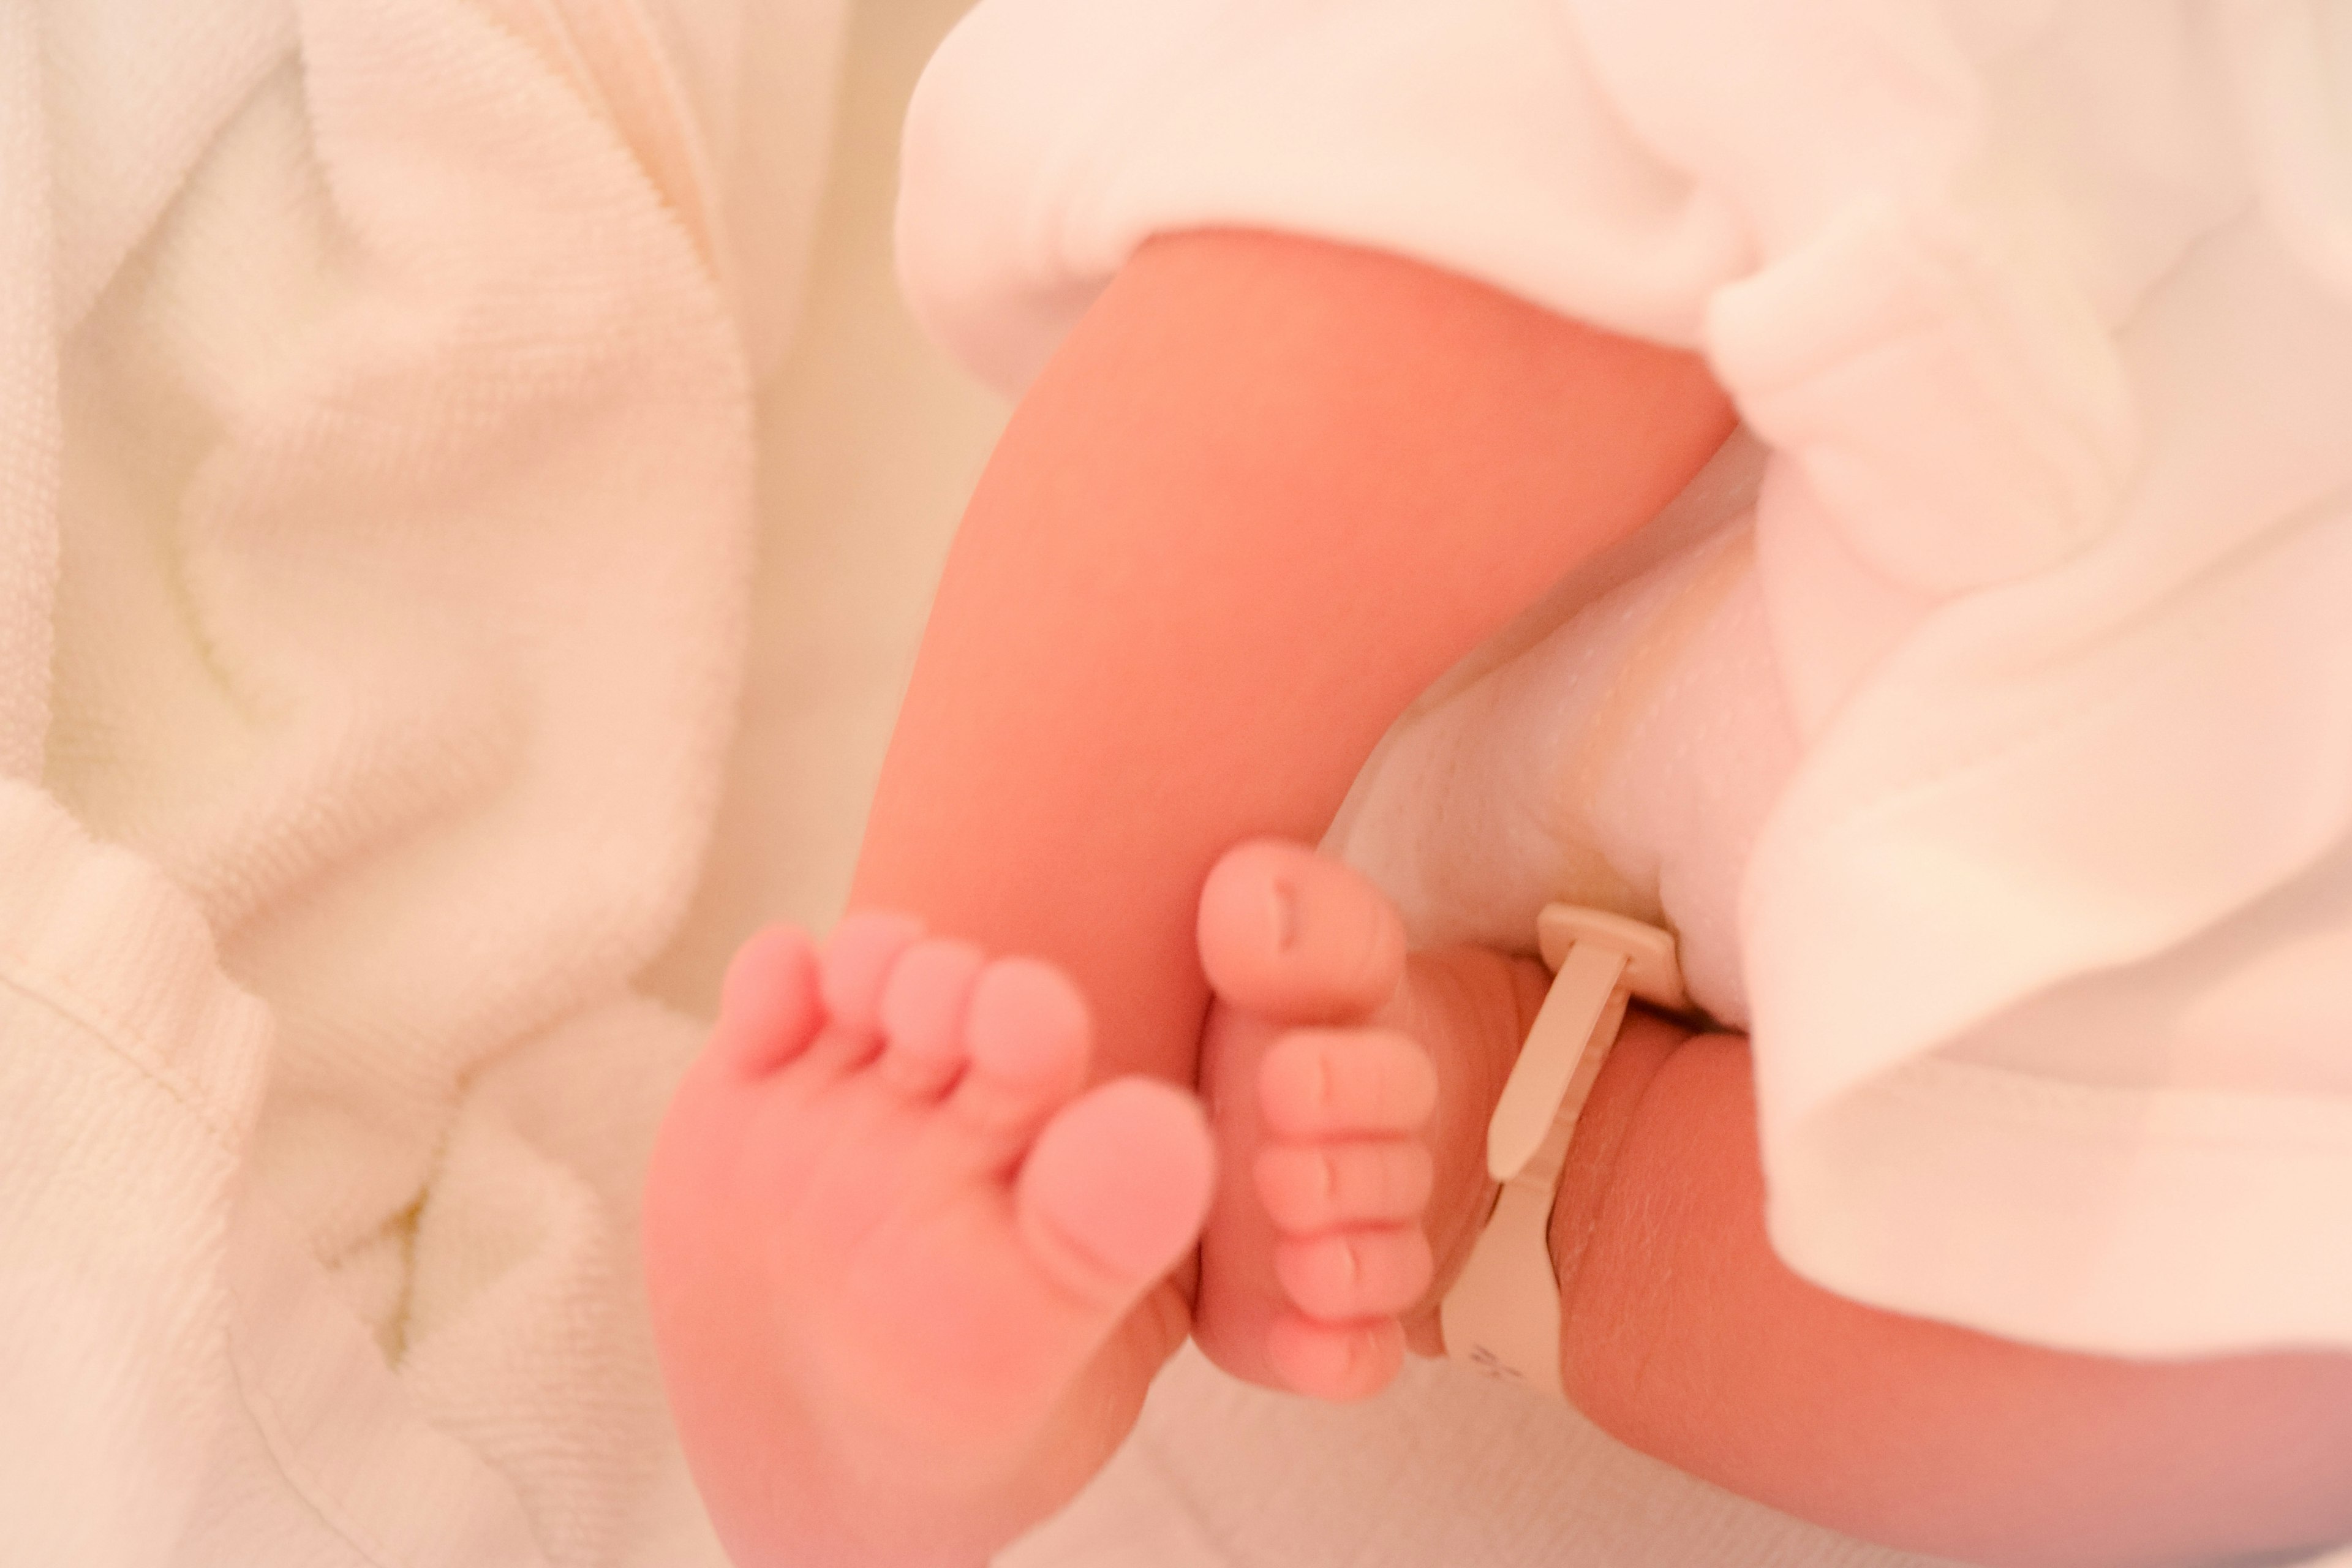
(1026, 1039)
(1289, 934)
(1317, 1085)
(1112, 1194)
(1352, 1275)
(1335, 1361)
(922, 1015)
(1309, 1188)
(768, 1005)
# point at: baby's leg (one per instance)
(1266, 492)
(1683, 1333)
(890, 1245)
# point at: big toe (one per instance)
(1288, 934)
(1113, 1194)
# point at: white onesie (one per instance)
(1996, 763)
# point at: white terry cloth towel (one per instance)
(374, 514)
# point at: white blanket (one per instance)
(375, 477)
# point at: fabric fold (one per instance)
(375, 483)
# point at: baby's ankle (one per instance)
(1645, 1044)
(1471, 1008)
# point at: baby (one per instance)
(922, 1224)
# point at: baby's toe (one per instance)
(1309, 1188)
(1319, 1085)
(1350, 1276)
(1292, 936)
(858, 959)
(922, 1013)
(1026, 1039)
(1334, 1361)
(1113, 1192)
(769, 1009)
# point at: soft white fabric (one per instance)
(374, 523)
(1441, 1470)
(2045, 312)
(869, 441)
(1625, 757)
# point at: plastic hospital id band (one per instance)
(1502, 1314)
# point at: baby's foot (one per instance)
(1349, 1087)
(907, 1281)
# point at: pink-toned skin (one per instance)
(1267, 491)
(889, 1234)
